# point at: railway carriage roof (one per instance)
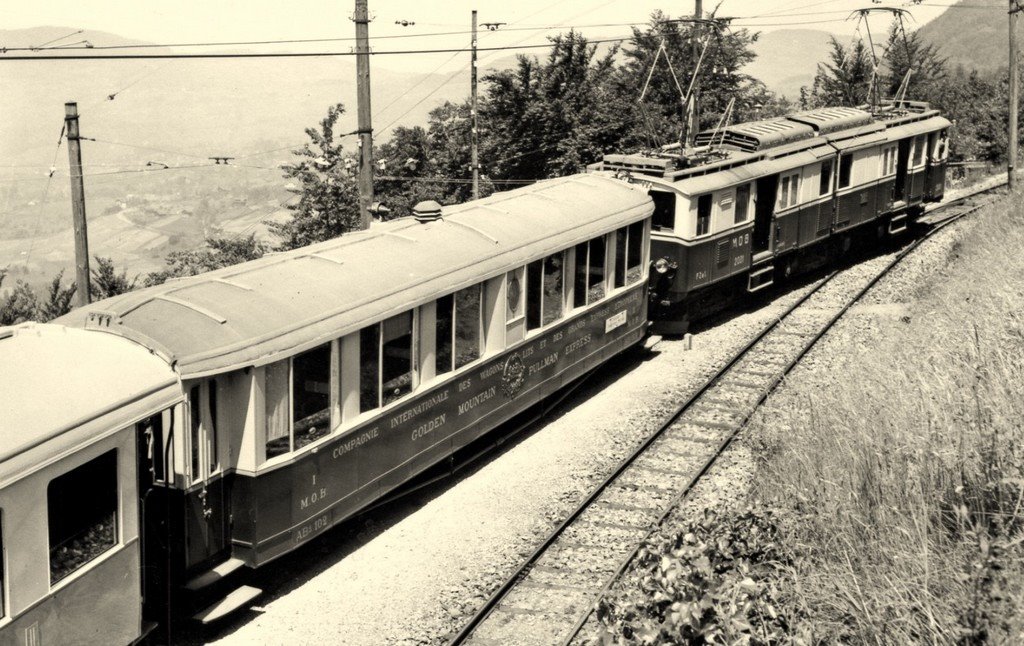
(267, 309)
(917, 127)
(724, 179)
(58, 381)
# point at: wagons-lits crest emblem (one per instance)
(513, 376)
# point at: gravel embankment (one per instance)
(428, 569)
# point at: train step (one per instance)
(217, 573)
(761, 278)
(898, 223)
(239, 598)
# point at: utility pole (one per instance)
(77, 204)
(362, 20)
(1011, 161)
(474, 159)
(694, 125)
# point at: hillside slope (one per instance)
(972, 33)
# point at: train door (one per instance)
(764, 210)
(931, 157)
(153, 444)
(902, 162)
(207, 523)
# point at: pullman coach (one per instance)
(755, 202)
(220, 421)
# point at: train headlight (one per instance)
(661, 265)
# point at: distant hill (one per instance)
(972, 33)
(198, 107)
(788, 59)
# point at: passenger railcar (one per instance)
(290, 392)
(76, 411)
(755, 201)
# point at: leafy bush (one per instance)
(719, 580)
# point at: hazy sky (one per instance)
(163, 21)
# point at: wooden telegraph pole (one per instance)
(474, 159)
(77, 205)
(694, 125)
(362, 20)
(1011, 155)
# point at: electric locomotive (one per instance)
(207, 426)
(755, 202)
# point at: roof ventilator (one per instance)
(427, 211)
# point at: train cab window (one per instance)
(845, 171)
(311, 395)
(468, 325)
(534, 289)
(619, 278)
(81, 510)
(742, 203)
(551, 305)
(595, 269)
(396, 357)
(635, 253)
(825, 178)
(664, 218)
(276, 400)
(703, 214)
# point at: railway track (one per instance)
(552, 595)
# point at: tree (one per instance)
(58, 299)
(19, 305)
(908, 52)
(328, 197)
(550, 118)
(106, 282)
(217, 253)
(660, 118)
(844, 79)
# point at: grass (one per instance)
(900, 479)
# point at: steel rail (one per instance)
(900, 255)
(484, 611)
(495, 599)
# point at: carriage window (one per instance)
(742, 203)
(195, 419)
(369, 371)
(443, 338)
(153, 431)
(82, 512)
(552, 303)
(534, 288)
(468, 324)
(579, 297)
(789, 191)
(703, 214)
(311, 398)
(634, 266)
(825, 179)
(276, 406)
(664, 210)
(211, 400)
(845, 170)
(396, 357)
(620, 257)
(595, 283)
(919, 150)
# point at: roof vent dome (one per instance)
(427, 211)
